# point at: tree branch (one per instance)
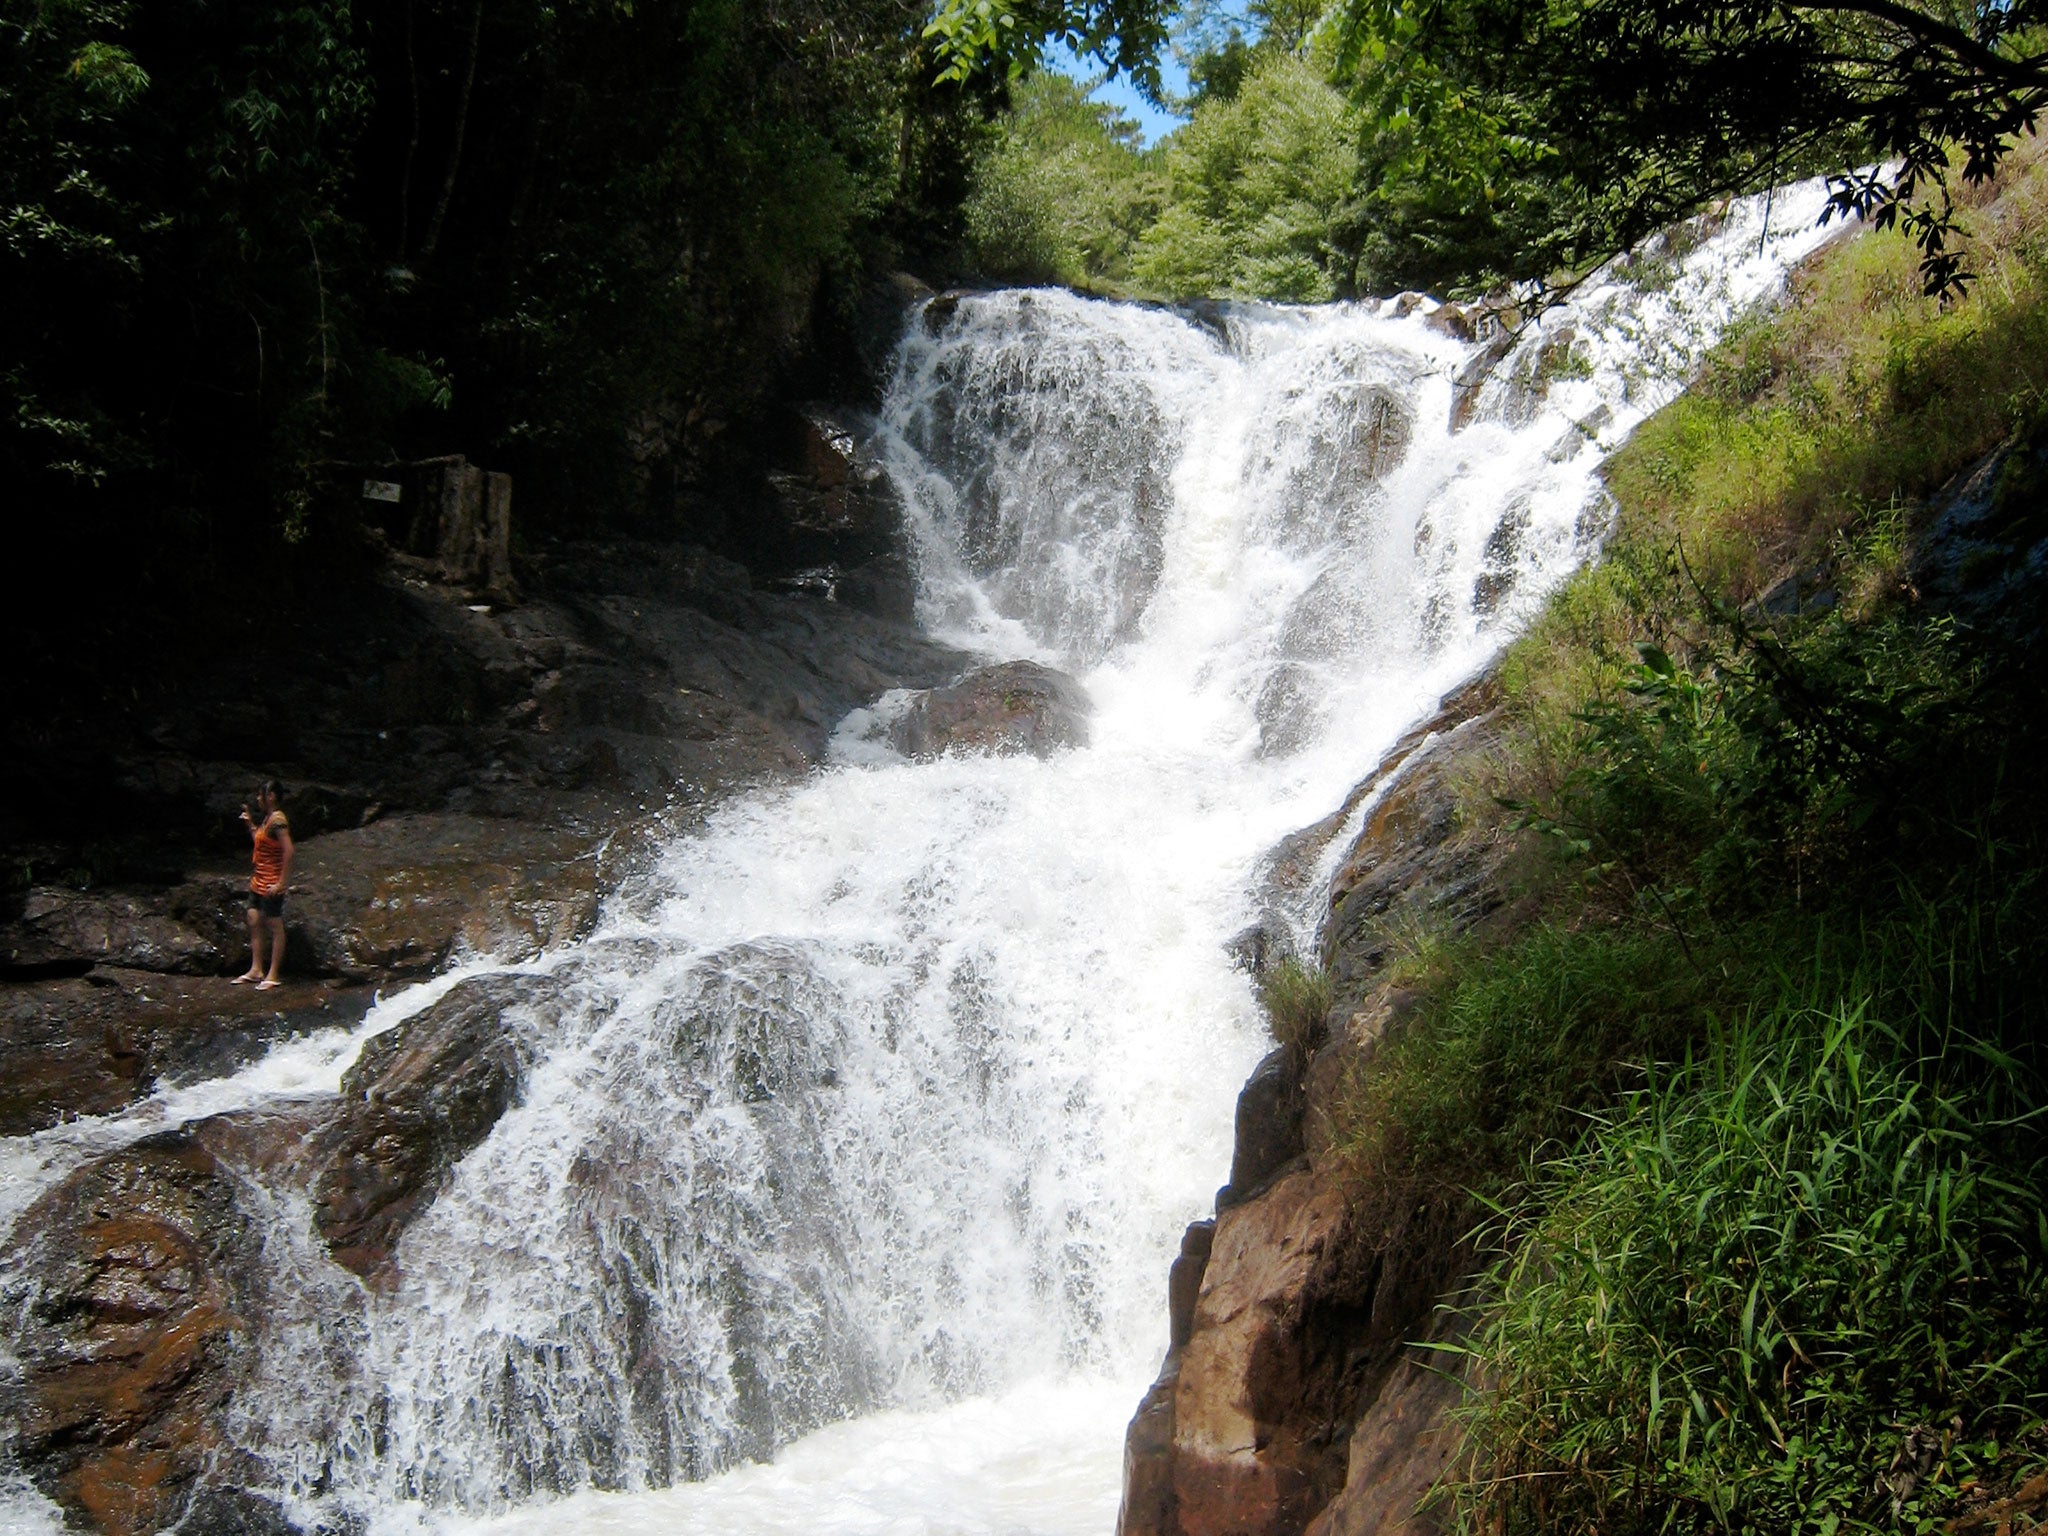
(2015, 73)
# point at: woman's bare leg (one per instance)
(255, 971)
(276, 926)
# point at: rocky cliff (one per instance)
(1299, 1392)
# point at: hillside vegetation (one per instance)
(1750, 1107)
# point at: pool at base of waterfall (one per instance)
(1043, 1460)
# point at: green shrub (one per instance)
(1061, 190)
(1297, 1001)
(1262, 189)
(1511, 1047)
(1800, 1284)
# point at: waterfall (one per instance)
(862, 1130)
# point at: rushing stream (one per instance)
(873, 1113)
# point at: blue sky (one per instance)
(1121, 93)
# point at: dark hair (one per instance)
(273, 790)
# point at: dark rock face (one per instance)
(836, 500)
(1018, 706)
(396, 897)
(1468, 381)
(1984, 556)
(135, 1280)
(420, 1097)
(1269, 1135)
(61, 930)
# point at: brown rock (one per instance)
(1292, 1399)
(1268, 1127)
(62, 929)
(134, 1279)
(836, 492)
(1467, 382)
(1453, 321)
(1242, 1466)
(1018, 706)
(1399, 1449)
(400, 895)
(420, 1097)
(91, 1045)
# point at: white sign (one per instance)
(381, 490)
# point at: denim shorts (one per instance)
(267, 906)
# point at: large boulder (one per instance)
(401, 895)
(135, 1284)
(1018, 706)
(61, 930)
(420, 1097)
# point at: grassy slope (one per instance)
(1748, 1099)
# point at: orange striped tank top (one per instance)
(268, 857)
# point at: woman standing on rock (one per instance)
(270, 859)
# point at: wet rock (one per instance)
(1379, 437)
(1293, 1373)
(235, 1512)
(61, 930)
(419, 1098)
(1212, 315)
(1412, 860)
(1242, 1465)
(938, 312)
(1149, 1504)
(1256, 947)
(886, 306)
(1292, 1397)
(1467, 382)
(884, 587)
(1269, 1133)
(135, 1279)
(834, 497)
(1502, 558)
(94, 1044)
(1398, 1451)
(1452, 320)
(1018, 706)
(400, 896)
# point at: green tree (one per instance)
(1621, 115)
(1262, 194)
(1062, 190)
(170, 187)
(1558, 132)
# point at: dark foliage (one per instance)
(256, 250)
(1555, 136)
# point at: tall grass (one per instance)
(1799, 1284)
(1510, 1048)
(1297, 1000)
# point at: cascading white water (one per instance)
(880, 1103)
